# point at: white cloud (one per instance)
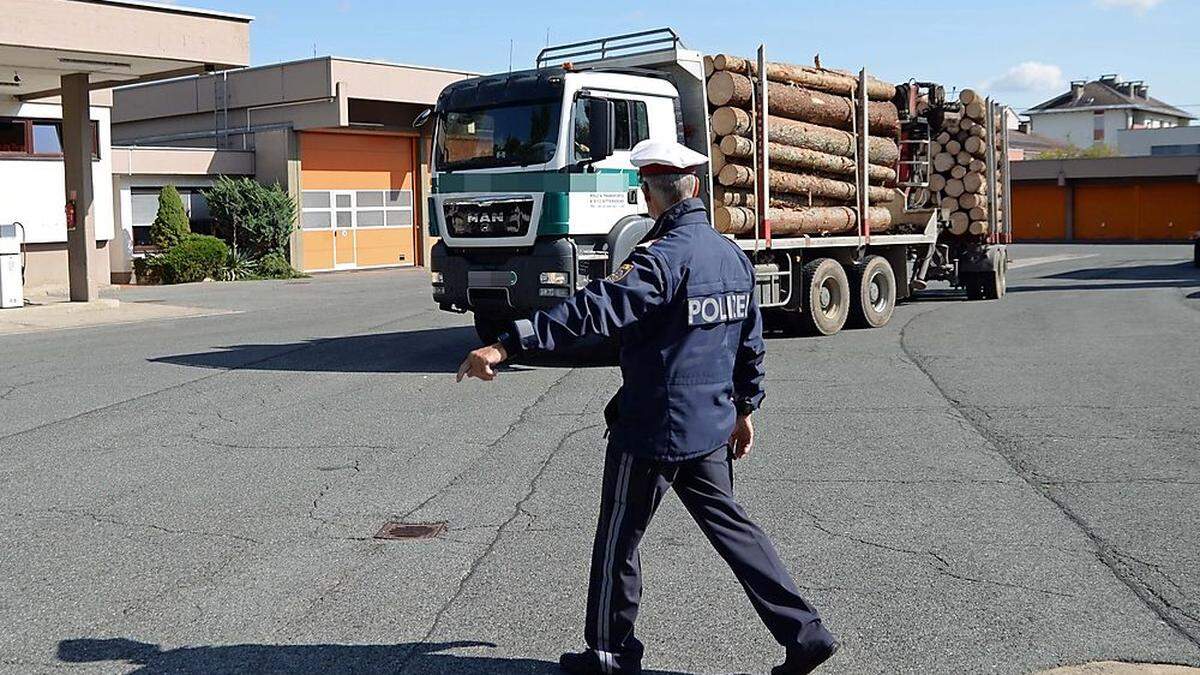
(1028, 76)
(1139, 6)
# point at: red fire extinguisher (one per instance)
(70, 211)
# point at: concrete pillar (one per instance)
(77, 162)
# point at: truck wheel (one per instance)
(488, 328)
(995, 283)
(872, 292)
(826, 296)
(972, 282)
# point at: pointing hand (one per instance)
(479, 363)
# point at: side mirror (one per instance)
(600, 114)
(422, 118)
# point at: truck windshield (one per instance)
(511, 135)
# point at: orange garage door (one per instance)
(1039, 212)
(1106, 211)
(1169, 210)
(358, 207)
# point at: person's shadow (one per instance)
(299, 659)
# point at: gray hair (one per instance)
(671, 188)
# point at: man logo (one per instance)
(715, 309)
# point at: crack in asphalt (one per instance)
(109, 519)
(519, 509)
(1108, 554)
(938, 562)
(467, 466)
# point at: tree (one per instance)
(170, 224)
(253, 218)
(1097, 151)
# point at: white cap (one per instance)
(654, 156)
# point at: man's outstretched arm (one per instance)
(602, 307)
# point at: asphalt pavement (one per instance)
(1004, 486)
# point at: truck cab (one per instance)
(533, 192)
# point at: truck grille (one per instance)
(488, 217)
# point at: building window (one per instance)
(144, 209)
(38, 138)
(327, 209)
(1098, 125)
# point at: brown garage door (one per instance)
(1108, 211)
(1039, 211)
(1169, 210)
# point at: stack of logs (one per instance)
(959, 161)
(811, 148)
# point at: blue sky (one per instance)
(1023, 54)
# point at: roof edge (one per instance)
(173, 9)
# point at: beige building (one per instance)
(58, 58)
(337, 133)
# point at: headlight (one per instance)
(554, 278)
(435, 277)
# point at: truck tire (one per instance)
(488, 328)
(996, 283)
(872, 292)
(826, 296)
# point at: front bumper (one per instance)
(502, 283)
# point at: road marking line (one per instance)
(1042, 260)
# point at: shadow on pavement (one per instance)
(297, 659)
(434, 350)
(1171, 275)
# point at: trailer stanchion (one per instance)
(762, 162)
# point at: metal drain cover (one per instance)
(398, 530)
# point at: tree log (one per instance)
(948, 205)
(978, 227)
(975, 146)
(816, 107)
(958, 171)
(976, 166)
(953, 147)
(821, 79)
(729, 121)
(716, 158)
(959, 222)
(736, 197)
(737, 147)
(943, 161)
(977, 213)
(814, 220)
(963, 158)
(954, 187)
(974, 182)
(736, 175)
(937, 182)
(709, 68)
(943, 138)
(975, 110)
(967, 96)
(967, 124)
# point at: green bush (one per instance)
(251, 217)
(275, 266)
(147, 270)
(171, 224)
(195, 258)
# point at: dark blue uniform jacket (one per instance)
(690, 331)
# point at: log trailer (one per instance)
(534, 195)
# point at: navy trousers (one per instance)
(633, 489)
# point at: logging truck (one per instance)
(840, 188)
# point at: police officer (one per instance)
(692, 365)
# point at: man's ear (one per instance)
(696, 190)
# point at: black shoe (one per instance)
(798, 663)
(588, 663)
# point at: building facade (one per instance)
(1094, 113)
(337, 133)
(1176, 141)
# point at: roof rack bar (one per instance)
(666, 38)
